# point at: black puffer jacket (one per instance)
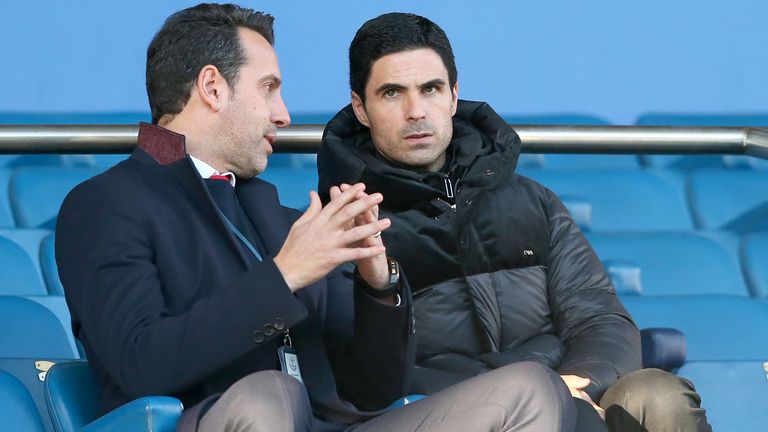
(499, 270)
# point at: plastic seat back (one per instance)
(670, 263)
(632, 200)
(735, 201)
(17, 408)
(754, 257)
(18, 273)
(734, 394)
(36, 193)
(72, 398)
(31, 330)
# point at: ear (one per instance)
(212, 88)
(359, 107)
(455, 101)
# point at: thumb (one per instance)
(575, 381)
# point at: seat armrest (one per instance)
(663, 348)
(154, 413)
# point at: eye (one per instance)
(430, 89)
(390, 93)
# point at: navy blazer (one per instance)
(167, 301)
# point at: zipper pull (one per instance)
(448, 186)
(287, 339)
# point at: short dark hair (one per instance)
(392, 33)
(191, 39)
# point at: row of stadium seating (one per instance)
(684, 238)
(600, 200)
(691, 281)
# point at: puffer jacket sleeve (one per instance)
(602, 342)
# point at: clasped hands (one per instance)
(323, 238)
(576, 385)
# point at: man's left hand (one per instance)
(374, 270)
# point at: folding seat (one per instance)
(48, 265)
(690, 282)
(37, 193)
(293, 184)
(734, 394)
(754, 258)
(17, 408)
(73, 401)
(735, 201)
(19, 275)
(632, 200)
(29, 329)
(31, 341)
(30, 240)
(696, 162)
(6, 215)
(673, 263)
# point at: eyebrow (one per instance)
(437, 82)
(389, 86)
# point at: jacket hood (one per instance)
(347, 155)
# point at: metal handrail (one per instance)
(91, 139)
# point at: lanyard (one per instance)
(242, 238)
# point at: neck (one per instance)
(197, 141)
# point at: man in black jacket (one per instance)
(500, 272)
(186, 277)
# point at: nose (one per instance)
(279, 116)
(414, 109)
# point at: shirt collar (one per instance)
(206, 171)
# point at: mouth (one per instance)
(270, 142)
(418, 137)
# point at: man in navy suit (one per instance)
(186, 277)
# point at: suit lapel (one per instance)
(187, 177)
(260, 203)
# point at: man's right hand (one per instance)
(576, 385)
(320, 240)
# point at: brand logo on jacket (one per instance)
(528, 252)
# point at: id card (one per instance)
(289, 362)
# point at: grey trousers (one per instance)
(652, 400)
(521, 397)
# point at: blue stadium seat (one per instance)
(6, 215)
(37, 193)
(754, 258)
(72, 398)
(18, 273)
(57, 305)
(632, 200)
(735, 394)
(671, 263)
(293, 184)
(691, 282)
(31, 373)
(31, 330)
(30, 241)
(696, 162)
(48, 265)
(735, 201)
(716, 327)
(17, 408)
